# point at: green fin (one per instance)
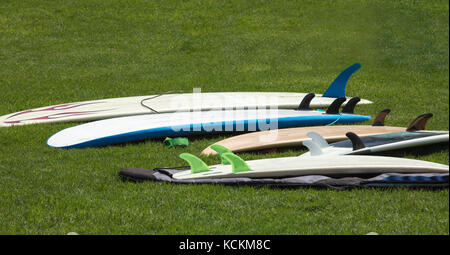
(221, 150)
(178, 141)
(238, 164)
(197, 165)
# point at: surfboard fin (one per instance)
(314, 148)
(304, 104)
(221, 150)
(379, 119)
(237, 164)
(350, 105)
(318, 139)
(197, 165)
(419, 123)
(337, 87)
(334, 107)
(356, 141)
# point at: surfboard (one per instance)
(290, 137)
(175, 102)
(234, 167)
(139, 127)
(356, 145)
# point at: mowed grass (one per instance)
(55, 52)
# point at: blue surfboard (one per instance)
(140, 127)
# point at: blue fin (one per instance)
(337, 87)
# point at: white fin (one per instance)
(318, 139)
(314, 148)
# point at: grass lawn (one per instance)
(64, 51)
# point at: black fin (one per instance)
(350, 105)
(356, 141)
(304, 105)
(419, 122)
(334, 107)
(379, 119)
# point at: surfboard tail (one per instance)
(337, 87)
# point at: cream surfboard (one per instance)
(296, 136)
(175, 102)
(234, 167)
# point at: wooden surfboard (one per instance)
(296, 136)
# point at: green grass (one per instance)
(64, 51)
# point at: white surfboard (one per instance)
(298, 166)
(166, 102)
(356, 145)
(139, 127)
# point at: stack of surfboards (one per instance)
(341, 158)
(130, 119)
(277, 119)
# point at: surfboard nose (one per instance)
(208, 151)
